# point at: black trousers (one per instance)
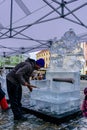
(15, 95)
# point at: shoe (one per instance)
(21, 119)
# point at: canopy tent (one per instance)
(29, 25)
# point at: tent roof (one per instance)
(28, 25)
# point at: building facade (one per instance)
(84, 46)
(45, 54)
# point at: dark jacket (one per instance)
(21, 73)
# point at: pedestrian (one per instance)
(39, 76)
(15, 79)
(84, 104)
(3, 102)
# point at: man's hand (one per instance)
(30, 86)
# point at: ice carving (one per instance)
(67, 54)
(59, 94)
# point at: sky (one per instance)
(34, 10)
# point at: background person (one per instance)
(16, 78)
(3, 101)
(84, 104)
(39, 76)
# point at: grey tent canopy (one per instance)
(29, 25)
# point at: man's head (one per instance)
(40, 63)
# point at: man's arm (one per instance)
(30, 87)
(21, 72)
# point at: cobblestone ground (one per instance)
(34, 123)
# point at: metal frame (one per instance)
(62, 6)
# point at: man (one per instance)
(17, 77)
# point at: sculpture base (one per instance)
(58, 95)
(56, 119)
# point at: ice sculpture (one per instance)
(67, 54)
(59, 94)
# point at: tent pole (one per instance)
(11, 15)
